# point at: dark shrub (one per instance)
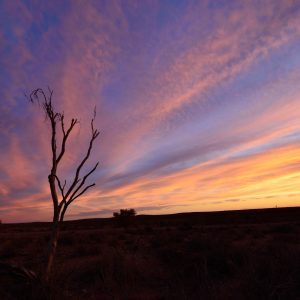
(125, 216)
(125, 213)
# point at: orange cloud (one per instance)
(198, 105)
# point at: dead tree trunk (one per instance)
(77, 186)
(52, 248)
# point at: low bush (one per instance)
(124, 217)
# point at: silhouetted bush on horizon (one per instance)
(125, 213)
(125, 217)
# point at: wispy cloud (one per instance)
(198, 104)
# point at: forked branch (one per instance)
(77, 187)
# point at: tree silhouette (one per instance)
(78, 185)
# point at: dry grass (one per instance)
(160, 259)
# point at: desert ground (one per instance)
(251, 254)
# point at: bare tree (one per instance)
(77, 187)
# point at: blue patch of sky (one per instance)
(242, 94)
(7, 27)
(248, 87)
(285, 140)
(281, 62)
(39, 27)
(170, 11)
(236, 101)
(181, 165)
(5, 83)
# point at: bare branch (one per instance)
(34, 96)
(66, 204)
(95, 112)
(52, 116)
(95, 134)
(53, 145)
(62, 117)
(73, 196)
(65, 136)
(61, 188)
(83, 191)
(64, 184)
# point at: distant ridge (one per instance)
(247, 216)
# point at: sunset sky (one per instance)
(198, 104)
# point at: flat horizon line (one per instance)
(161, 215)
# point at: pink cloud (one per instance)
(156, 74)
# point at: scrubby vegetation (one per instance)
(124, 218)
(125, 213)
(161, 257)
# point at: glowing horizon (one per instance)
(198, 104)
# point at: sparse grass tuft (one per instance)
(160, 260)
